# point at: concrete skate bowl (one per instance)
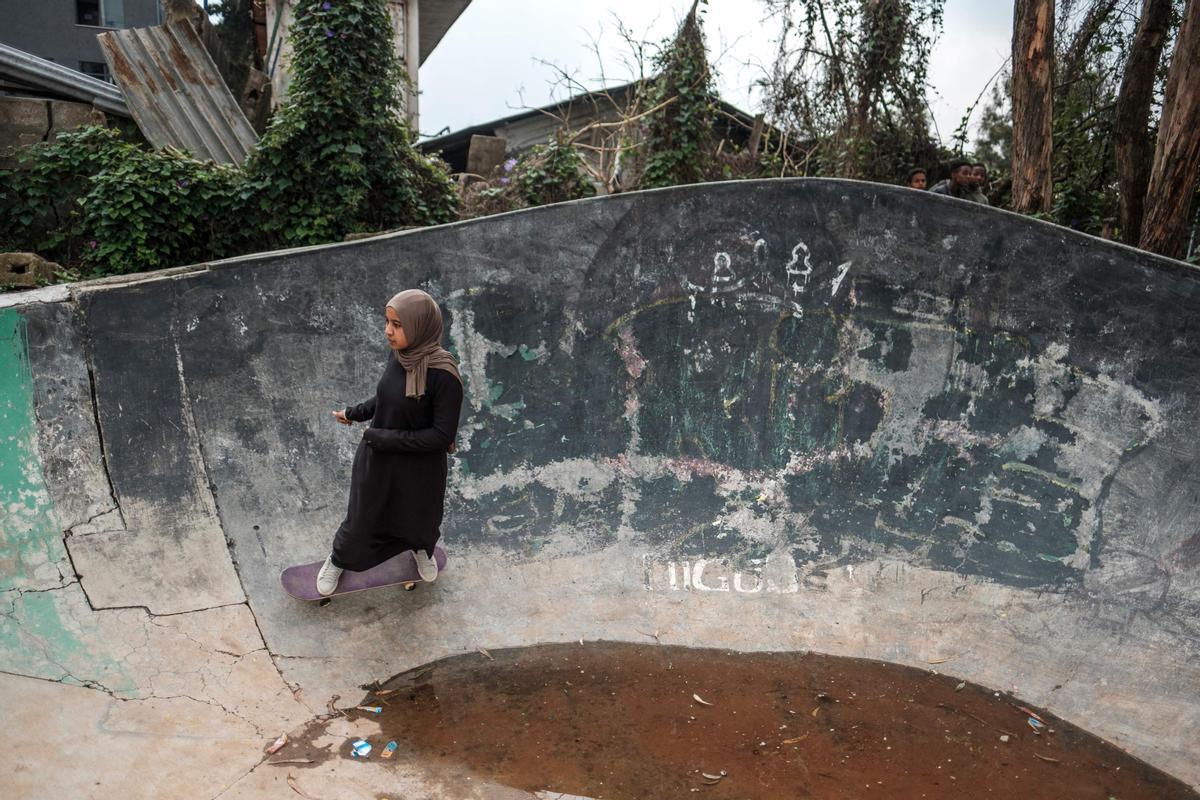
(758, 416)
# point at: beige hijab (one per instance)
(422, 322)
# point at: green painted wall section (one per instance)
(47, 629)
(32, 545)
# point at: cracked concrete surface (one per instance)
(181, 702)
(955, 438)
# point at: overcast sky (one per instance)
(489, 65)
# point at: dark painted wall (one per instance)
(840, 372)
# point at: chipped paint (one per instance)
(41, 631)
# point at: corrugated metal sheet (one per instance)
(175, 92)
(26, 69)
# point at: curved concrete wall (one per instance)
(775, 415)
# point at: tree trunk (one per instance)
(1131, 127)
(1177, 155)
(1033, 104)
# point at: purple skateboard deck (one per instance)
(301, 581)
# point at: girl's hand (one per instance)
(340, 416)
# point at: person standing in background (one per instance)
(960, 182)
(979, 184)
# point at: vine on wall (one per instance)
(337, 159)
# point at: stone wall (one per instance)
(29, 120)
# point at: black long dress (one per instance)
(398, 484)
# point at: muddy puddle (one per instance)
(625, 721)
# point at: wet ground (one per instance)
(608, 720)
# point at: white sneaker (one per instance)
(328, 577)
(426, 566)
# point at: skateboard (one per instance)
(301, 581)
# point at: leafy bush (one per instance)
(91, 200)
(550, 173)
(678, 140)
(39, 208)
(150, 210)
(338, 158)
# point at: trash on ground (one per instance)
(793, 741)
(701, 700)
(1030, 713)
(1047, 758)
(711, 777)
(1004, 738)
(290, 761)
(1036, 725)
(370, 709)
(388, 750)
(960, 686)
(360, 748)
(484, 653)
(277, 745)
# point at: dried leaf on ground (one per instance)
(296, 788)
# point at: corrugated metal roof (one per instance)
(26, 69)
(177, 97)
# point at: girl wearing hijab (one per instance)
(398, 484)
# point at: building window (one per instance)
(87, 12)
(95, 69)
(114, 13)
(100, 13)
